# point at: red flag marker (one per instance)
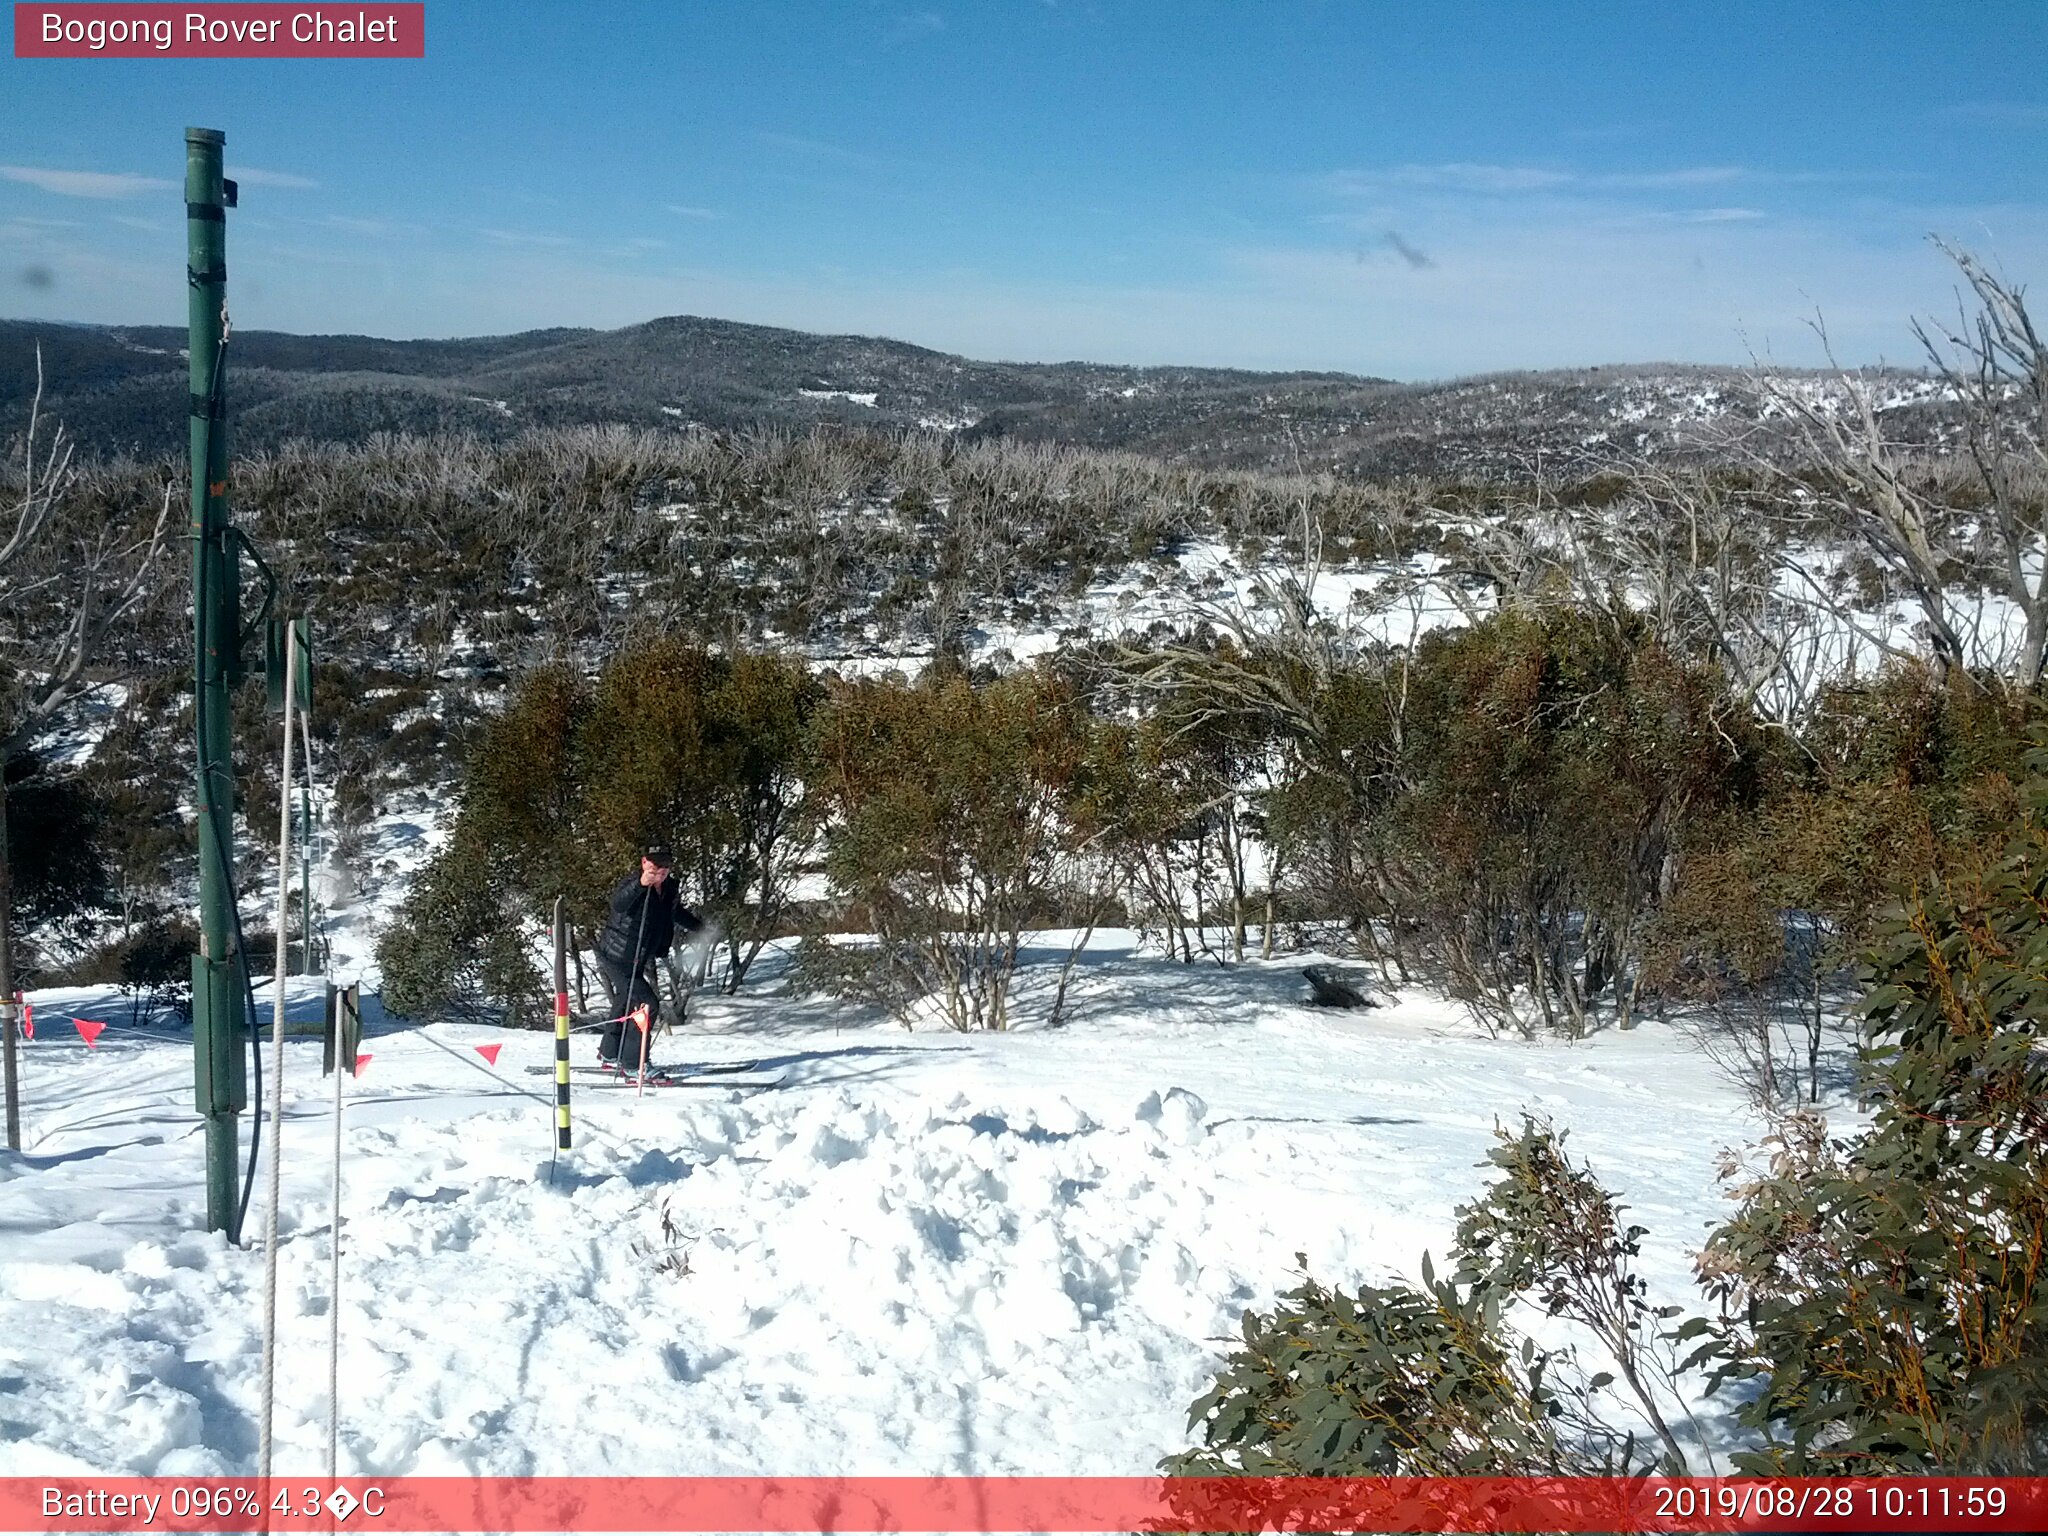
(489, 1052)
(89, 1030)
(362, 1061)
(28, 1016)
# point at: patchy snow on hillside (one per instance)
(94, 716)
(922, 1253)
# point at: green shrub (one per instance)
(1885, 1301)
(1882, 1302)
(1549, 768)
(455, 947)
(1395, 1381)
(671, 744)
(950, 821)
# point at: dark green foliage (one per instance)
(1503, 808)
(56, 828)
(1548, 1229)
(951, 825)
(141, 774)
(1392, 1381)
(151, 963)
(1555, 762)
(1898, 781)
(463, 938)
(1886, 1301)
(705, 753)
(671, 744)
(455, 947)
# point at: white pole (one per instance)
(342, 1068)
(284, 891)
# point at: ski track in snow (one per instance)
(926, 1253)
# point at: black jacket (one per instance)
(649, 915)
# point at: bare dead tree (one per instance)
(1849, 474)
(87, 579)
(1996, 364)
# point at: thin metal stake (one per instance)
(284, 896)
(342, 1068)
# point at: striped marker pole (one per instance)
(561, 1030)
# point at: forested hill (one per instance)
(123, 389)
(126, 386)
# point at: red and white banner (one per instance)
(988, 1504)
(239, 31)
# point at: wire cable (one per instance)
(223, 833)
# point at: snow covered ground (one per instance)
(924, 1253)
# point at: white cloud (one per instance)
(2008, 114)
(1684, 176)
(105, 184)
(913, 24)
(687, 211)
(820, 149)
(251, 176)
(1505, 180)
(524, 237)
(375, 229)
(1473, 179)
(1458, 176)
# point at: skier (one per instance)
(645, 916)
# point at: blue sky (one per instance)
(1416, 190)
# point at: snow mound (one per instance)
(922, 1254)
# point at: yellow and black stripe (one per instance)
(561, 1029)
(562, 1071)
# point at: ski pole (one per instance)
(561, 1031)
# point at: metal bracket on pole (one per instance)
(246, 633)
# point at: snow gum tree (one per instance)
(1880, 1304)
(670, 743)
(66, 579)
(1885, 1301)
(706, 752)
(950, 827)
(1551, 768)
(1983, 515)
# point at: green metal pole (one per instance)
(218, 1012)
